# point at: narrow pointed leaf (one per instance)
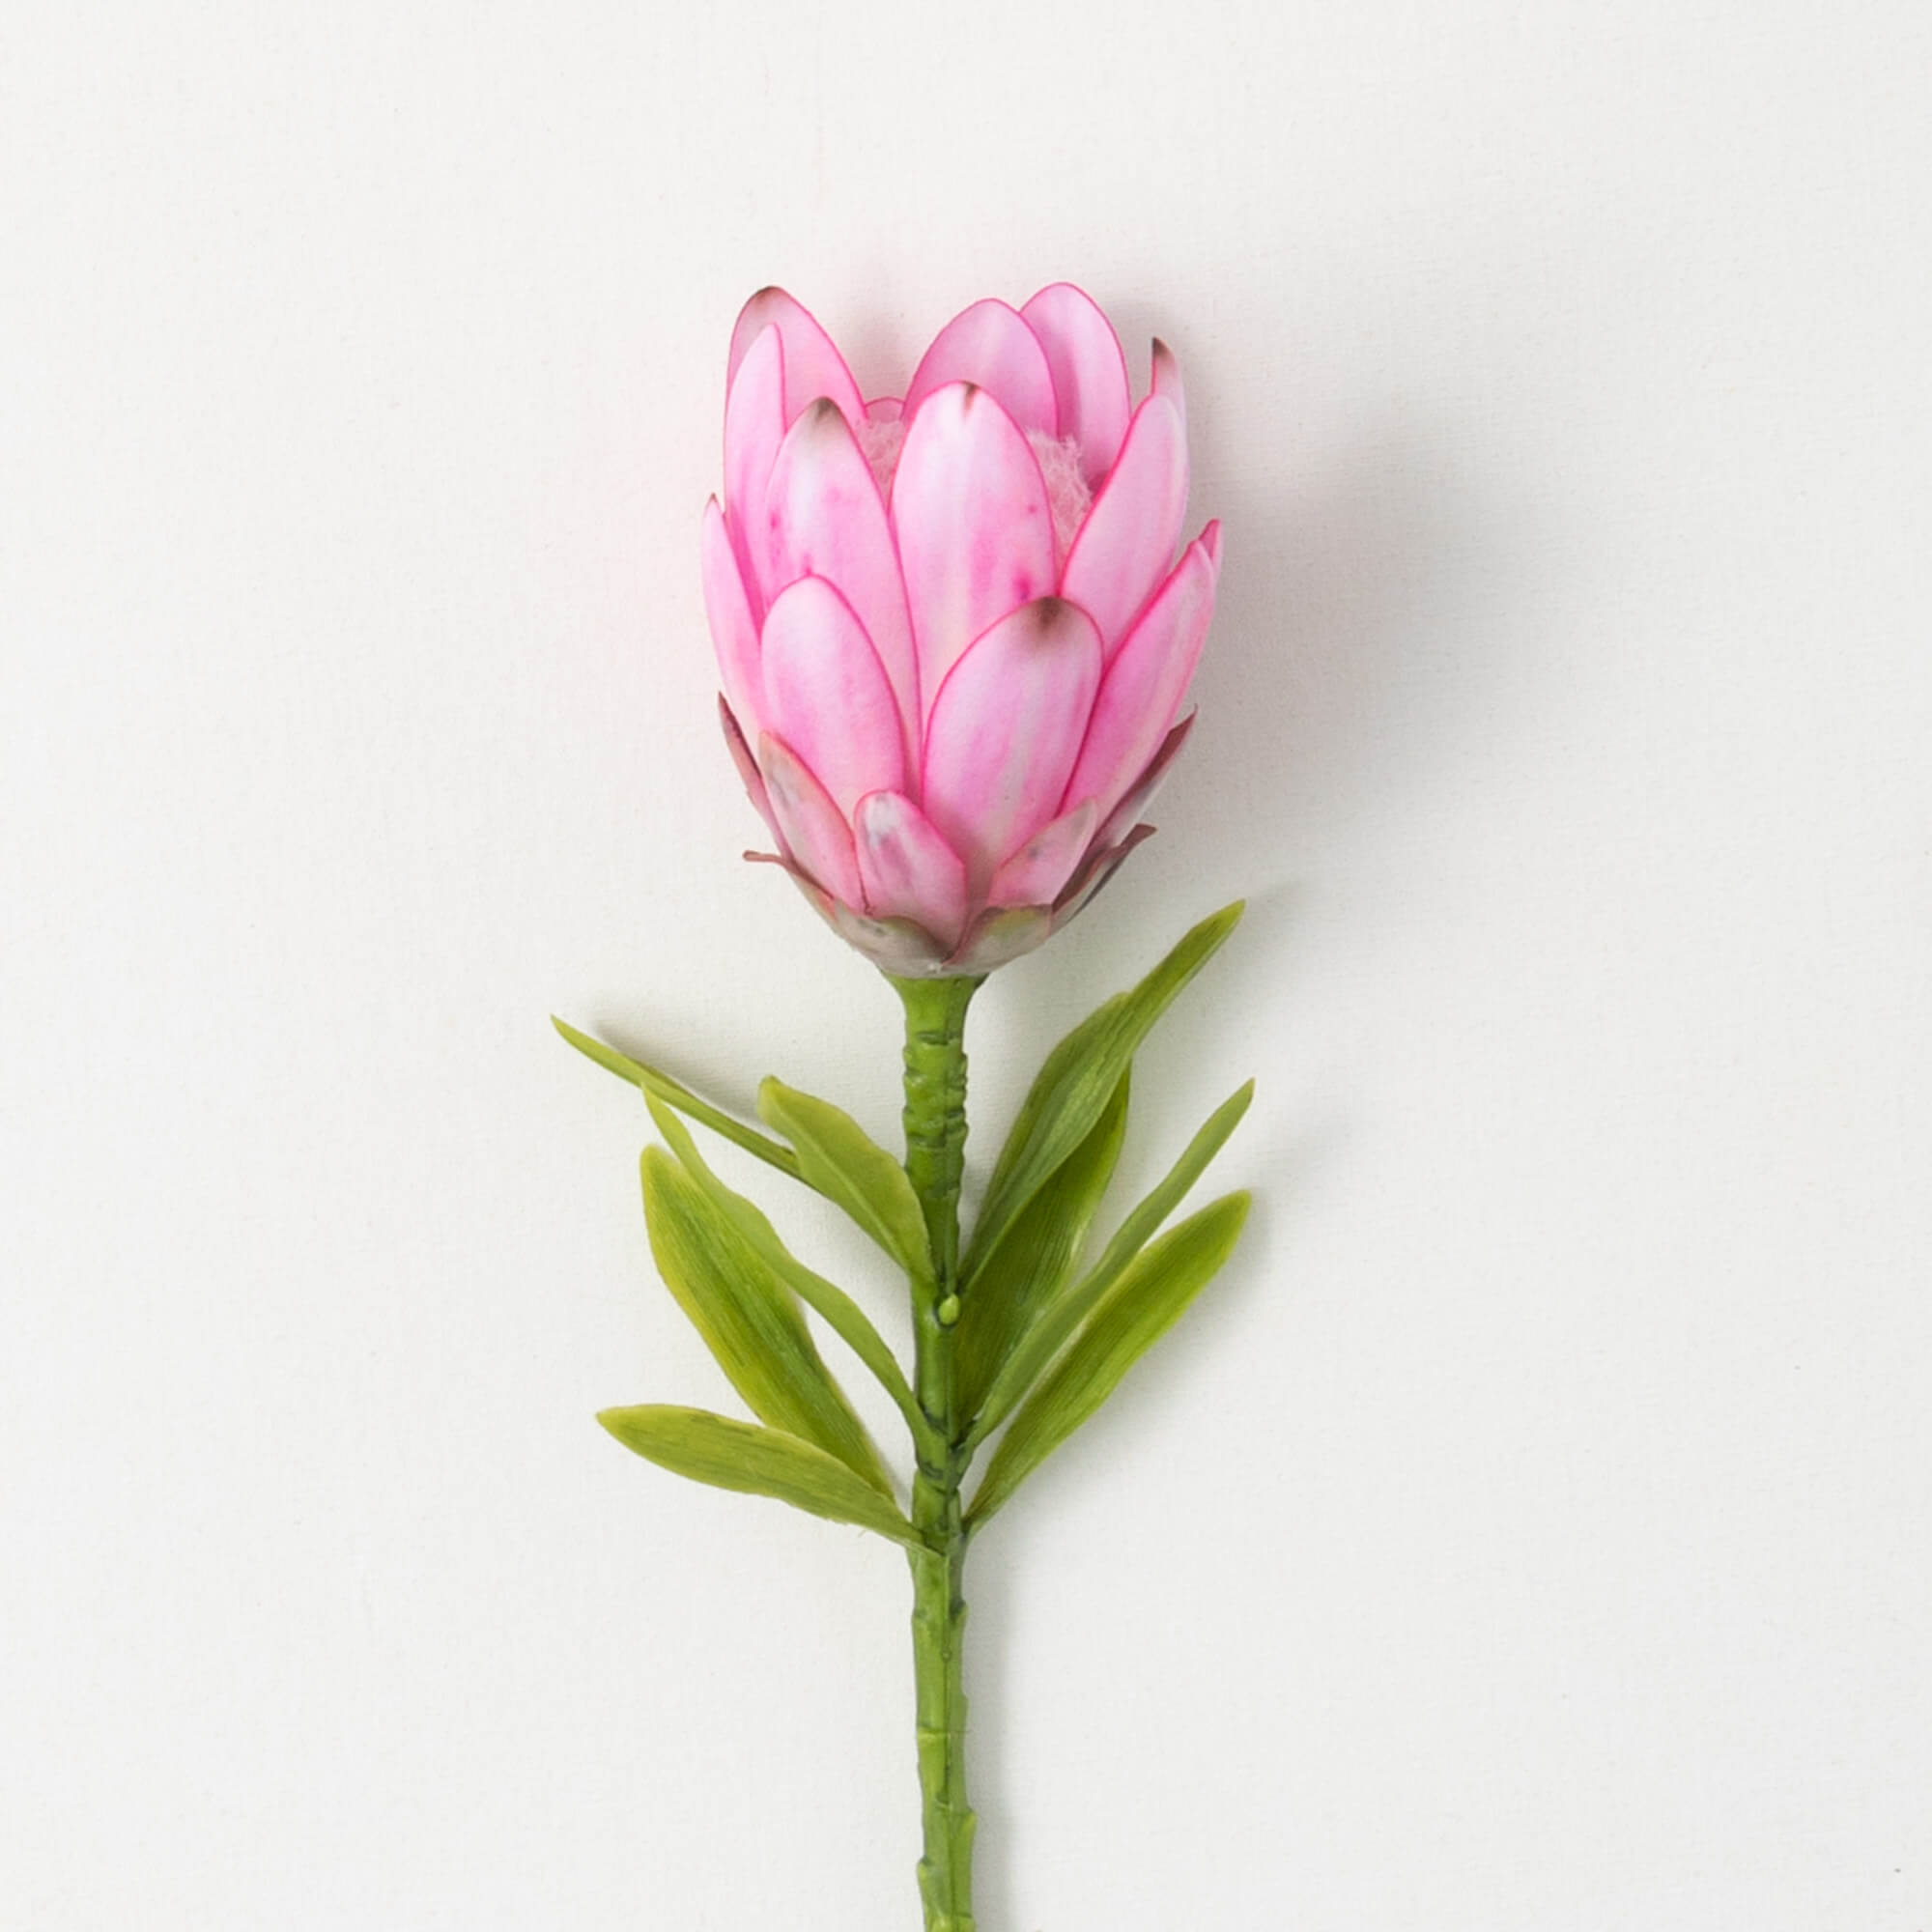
(844, 1163)
(749, 1320)
(1074, 1085)
(1065, 1311)
(840, 1312)
(1039, 1251)
(756, 1462)
(1145, 1303)
(680, 1096)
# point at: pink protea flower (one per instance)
(954, 637)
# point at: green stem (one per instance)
(935, 1132)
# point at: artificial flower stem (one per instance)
(935, 1134)
(938, 1631)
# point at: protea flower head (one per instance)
(953, 635)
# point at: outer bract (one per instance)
(953, 633)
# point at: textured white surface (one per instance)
(1533, 1532)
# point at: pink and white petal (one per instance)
(748, 774)
(990, 346)
(1036, 874)
(1167, 382)
(825, 519)
(814, 833)
(907, 869)
(827, 696)
(1140, 793)
(885, 409)
(973, 522)
(1089, 373)
(813, 366)
(1006, 729)
(734, 631)
(1126, 544)
(754, 425)
(1145, 682)
(1211, 540)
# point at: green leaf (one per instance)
(755, 1462)
(1147, 1302)
(1025, 1272)
(841, 1160)
(749, 1320)
(680, 1096)
(1073, 1087)
(840, 1312)
(1065, 1311)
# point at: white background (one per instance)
(1531, 1532)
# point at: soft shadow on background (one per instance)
(1337, 586)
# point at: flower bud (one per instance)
(954, 637)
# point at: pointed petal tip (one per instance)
(1089, 370)
(989, 344)
(972, 522)
(1006, 729)
(1126, 545)
(812, 365)
(827, 695)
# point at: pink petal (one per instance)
(809, 822)
(748, 774)
(814, 366)
(990, 345)
(884, 409)
(827, 695)
(1211, 537)
(1126, 543)
(1035, 874)
(734, 631)
(754, 425)
(1089, 373)
(1167, 382)
(1141, 790)
(824, 519)
(1005, 729)
(974, 526)
(908, 870)
(1145, 682)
